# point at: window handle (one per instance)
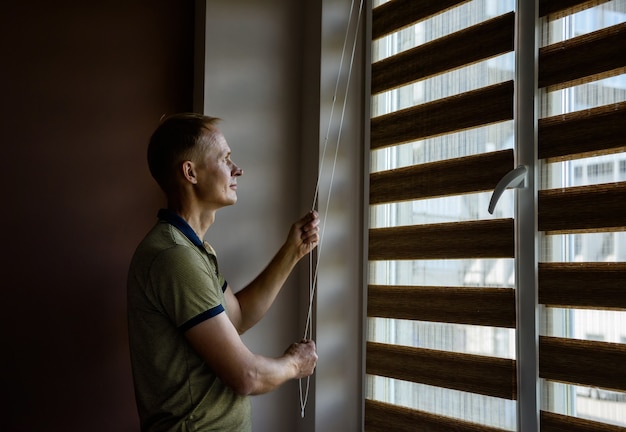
(513, 179)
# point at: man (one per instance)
(191, 370)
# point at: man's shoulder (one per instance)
(164, 237)
(162, 245)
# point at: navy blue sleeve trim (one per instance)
(224, 286)
(201, 317)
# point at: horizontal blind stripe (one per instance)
(476, 239)
(491, 376)
(470, 109)
(592, 130)
(592, 81)
(591, 363)
(378, 415)
(547, 7)
(582, 56)
(583, 285)
(397, 14)
(460, 305)
(552, 422)
(457, 176)
(584, 208)
(479, 42)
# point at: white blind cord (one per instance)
(313, 269)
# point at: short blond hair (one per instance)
(178, 138)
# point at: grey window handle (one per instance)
(513, 179)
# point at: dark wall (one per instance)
(83, 85)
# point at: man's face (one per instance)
(217, 174)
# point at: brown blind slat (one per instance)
(547, 7)
(476, 239)
(461, 305)
(585, 208)
(552, 422)
(471, 109)
(583, 285)
(436, 179)
(491, 376)
(594, 130)
(591, 363)
(476, 43)
(397, 14)
(377, 415)
(582, 56)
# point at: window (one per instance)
(441, 334)
(583, 324)
(468, 283)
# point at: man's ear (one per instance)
(189, 172)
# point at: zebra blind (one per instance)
(441, 302)
(582, 215)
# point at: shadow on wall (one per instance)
(87, 85)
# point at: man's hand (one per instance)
(304, 234)
(304, 357)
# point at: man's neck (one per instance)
(200, 220)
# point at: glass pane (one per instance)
(455, 145)
(376, 3)
(471, 339)
(440, 210)
(586, 402)
(586, 324)
(601, 325)
(499, 273)
(486, 410)
(583, 172)
(588, 247)
(450, 21)
(586, 21)
(493, 71)
(589, 95)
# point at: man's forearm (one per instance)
(297, 362)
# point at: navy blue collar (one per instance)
(174, 219)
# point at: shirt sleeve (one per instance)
(186, 286)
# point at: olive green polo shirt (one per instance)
(174, 284)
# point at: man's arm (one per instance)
(248, 306)
(216, 340)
